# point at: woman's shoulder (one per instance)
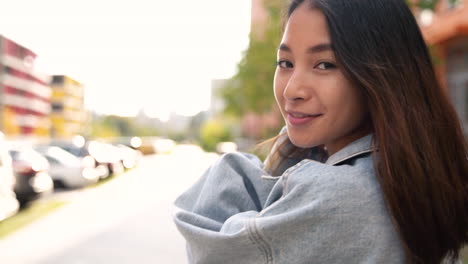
(355, 179)
(340, 202)
(350, 169)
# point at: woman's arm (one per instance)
(320, 214)
(210, 214)
(232, 185)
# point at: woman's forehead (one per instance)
(306, 25)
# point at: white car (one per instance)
(128, 156)
(8, 203)
(69, 170)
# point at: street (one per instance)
(127, 220)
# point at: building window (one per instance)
(57, 107)
(57, 79)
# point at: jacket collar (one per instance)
(355, 148)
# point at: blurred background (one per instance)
(110, 109)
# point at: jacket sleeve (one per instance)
(210, 214)
(324, 214)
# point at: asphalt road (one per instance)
(127, 220)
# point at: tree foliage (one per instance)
(116, 126)
(212, 132)
(426, 4)
(251, 89)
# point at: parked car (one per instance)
(226, 147)
(128, 156)
(8, 203)
(105, 153)
(147, 146)
(68, 170)
(31, 174)
(163, 145)
(105, 168)
(132, 142)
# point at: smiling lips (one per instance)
(296, 118)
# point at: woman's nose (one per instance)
(296, 88)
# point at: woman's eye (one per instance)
(284, 64)
(325, 66)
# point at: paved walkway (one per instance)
(127, 220)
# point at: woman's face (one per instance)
(319, 105)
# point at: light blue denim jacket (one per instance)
(314, 212)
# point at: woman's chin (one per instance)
(303, 143)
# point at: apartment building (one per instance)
(69, 117)
(24, 93)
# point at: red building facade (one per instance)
(24, 93)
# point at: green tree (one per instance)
(426, 4)
(117, 126)
(251, 89)
(212, 132)
(101, 130)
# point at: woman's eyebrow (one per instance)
(314, 49)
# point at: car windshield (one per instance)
(61, 155)
(25, 155)
(80, 152)
(13, 154)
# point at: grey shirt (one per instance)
(314, 212)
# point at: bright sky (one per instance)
(155, 54)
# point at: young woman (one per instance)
(371, 167)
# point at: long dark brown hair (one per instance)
(422, 159)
